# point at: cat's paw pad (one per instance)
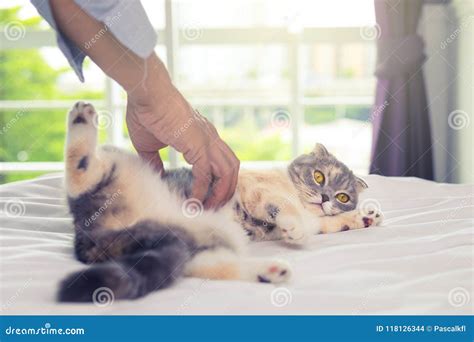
(370, 218)
(273, 271)
(82, 113)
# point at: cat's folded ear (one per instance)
(319, 150)
(361, 184)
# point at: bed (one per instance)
(419, 262)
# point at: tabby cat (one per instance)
(134, 228)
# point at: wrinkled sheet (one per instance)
(419, 262)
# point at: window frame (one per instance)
(172, 38)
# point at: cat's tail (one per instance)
(129, 276)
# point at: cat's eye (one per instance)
(342, 197)
(318, 177)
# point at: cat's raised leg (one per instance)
(221, 263)
(83, 168)
(354, 219)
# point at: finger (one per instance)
(218, 195)
(235, 178)
(201, 183)
(153, 158)
(232, 164)
(222, 189)
(233, 186)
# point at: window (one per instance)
(273, 76)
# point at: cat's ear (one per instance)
(361, 185)
(319, 150)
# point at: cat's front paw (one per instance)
(293, 231)
(365, 219)
(371, 217)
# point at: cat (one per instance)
(284, 204)
(133, 225)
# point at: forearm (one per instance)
(93, 37)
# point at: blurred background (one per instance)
(273, 76)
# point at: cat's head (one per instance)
(324, 181)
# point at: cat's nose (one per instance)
(324, 198)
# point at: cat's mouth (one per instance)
(318, 205)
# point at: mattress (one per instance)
(420, 261)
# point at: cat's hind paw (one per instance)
(82, 113)
(272, 271)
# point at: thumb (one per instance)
(202, 181)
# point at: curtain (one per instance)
(401, 144)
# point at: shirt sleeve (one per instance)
(125, 19)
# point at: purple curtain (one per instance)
(402, 137)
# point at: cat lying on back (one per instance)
(132, 224)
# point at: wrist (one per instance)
(150, 81)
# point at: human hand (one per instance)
(158, 115)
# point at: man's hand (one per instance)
(158, 115)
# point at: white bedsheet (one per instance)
(419, 262)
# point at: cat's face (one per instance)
(324, 181)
